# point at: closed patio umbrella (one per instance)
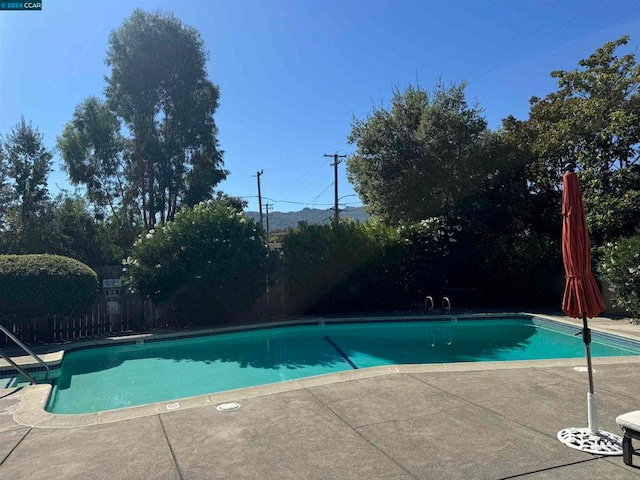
(582, 299)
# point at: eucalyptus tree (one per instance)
(98, 157)
(5, 189)
(159, 87)
(26, 163)
(152, 146)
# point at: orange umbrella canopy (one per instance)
(581, 293)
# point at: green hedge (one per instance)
(620, 266)
(347, 267)
(45, 285)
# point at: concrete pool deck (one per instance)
(479, 420)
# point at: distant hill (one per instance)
(282, 221)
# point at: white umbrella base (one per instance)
(600, 443)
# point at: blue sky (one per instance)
(293, 73)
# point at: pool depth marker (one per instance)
(342, 354)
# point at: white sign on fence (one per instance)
(111, 283)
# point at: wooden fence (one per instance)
(137, 314)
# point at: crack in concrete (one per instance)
(470, 402)
(173, 455)
(15, 446)
(395, 462)
(412, 418)
(555, 467)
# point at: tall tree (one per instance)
(593, 121)
(5, 188)
(422, 156)
(27, 163)
(159, 87)
(72, 231)
(97, 156)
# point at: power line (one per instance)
(292, 167)
(313, 202)
(290, 201)
(281, 168)
(244, 197)
(562, 48)
(310, 174)
(320, 215)
(538, 40)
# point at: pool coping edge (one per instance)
(31, 409)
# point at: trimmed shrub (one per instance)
(45, 285)
(347, 267)
(210, 262)
(370, 265)
(620, 266)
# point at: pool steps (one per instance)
(10, 382)
(28, 351)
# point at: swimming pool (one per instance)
(157, 369)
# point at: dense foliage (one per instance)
(374, 266)
(210, 261)
(25, 164)
(455, 205)
(345, 267)
(593, 121)
(431, 253)
(45, 285)
(620, 267)
(422, 156)
(158, 88)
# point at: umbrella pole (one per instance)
(592, 408)
(586, 337)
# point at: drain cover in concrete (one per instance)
(228, 407)
(582, 369)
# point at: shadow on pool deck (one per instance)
(491, 421)
(464, 424)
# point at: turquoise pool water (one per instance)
(100, 379)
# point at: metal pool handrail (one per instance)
(18, 368)
(26, 349)
(428, 304)
(446, 304)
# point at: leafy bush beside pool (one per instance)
(45, 285)
(370, 265)
(211, 261)
(620, 266)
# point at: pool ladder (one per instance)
(26, 349)
(429, 304)
(445, 305)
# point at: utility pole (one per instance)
(260, 197)
(267, 205)
(335, 164)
